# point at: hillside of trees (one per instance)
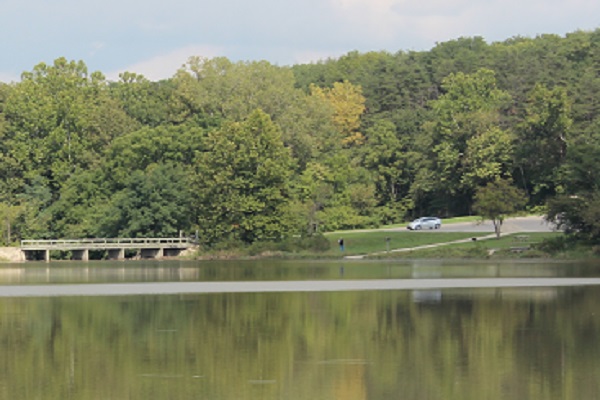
(249, 151)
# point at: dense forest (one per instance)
(241, 152)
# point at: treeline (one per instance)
(250, 151)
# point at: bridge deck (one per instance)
(107, 243)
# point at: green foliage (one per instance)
(242, 182)
(465, 145)
(312, 244)
(75, 212)
(347, 103)
(153, 203)
(145, 101)
(232, 90)
(555, 245)
(577, 214)
(577, 210)
(356, 141)
(60, 119)
(543, 132)
(390, 157)
(498, 200)
(140, 149)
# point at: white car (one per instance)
(425, 223)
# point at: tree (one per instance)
(140, 149)
(577, 208)
(464, 144)
(307, 129)
(219, 88)
(544, 133)
(242, 182)
(497, 200)
(60, 118)
(388, 156)
(348, 105)
(154, 203)
(145, 101)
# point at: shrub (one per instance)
(317, 243)
(553, 245)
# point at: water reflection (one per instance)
(511, 343)
(457, 344)
(191, 271)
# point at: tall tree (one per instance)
(145, 101)
(544, 133)
(348, 105)
(219, 88)
(60, 119)
(577, 208)
(389, 156)
(242, 182)
(154, 203)
(464, 145)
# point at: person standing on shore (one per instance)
(341, 243)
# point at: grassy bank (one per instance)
(374, 245)
(553, 245)
(370, 242)
(326, 246)
(401, 244)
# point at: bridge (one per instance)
(113, 249)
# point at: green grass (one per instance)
(496, 248)
(368, 242)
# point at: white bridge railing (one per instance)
(107, 243)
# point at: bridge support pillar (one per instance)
(83, 255)
(47, 255)
(152, 253)
(116, 254)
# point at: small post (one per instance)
(387, 244)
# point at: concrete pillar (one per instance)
(116, 254)
(172, 252)
(152, 253)
(83, 255)
(47, 255)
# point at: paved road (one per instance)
(510, 225)
(123, 289)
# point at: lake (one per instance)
(477, 343)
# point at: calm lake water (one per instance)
(512, 343)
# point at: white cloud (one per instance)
(165, 65)
(424, 22)
(372, 17)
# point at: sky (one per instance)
(156, 37)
